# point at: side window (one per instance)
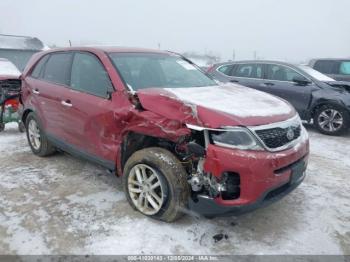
(281, 73)
(259, 71)
(225, 69)
(326, 67)
(57, 68)
(344, 68)
(89, 76)
(36, 73)
(248, 70)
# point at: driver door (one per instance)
(89, 123)
(279, 81)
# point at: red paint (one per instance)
(256, 169)
(99, 125)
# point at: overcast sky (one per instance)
(293, 30)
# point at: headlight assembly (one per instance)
(238, 138)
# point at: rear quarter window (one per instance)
(225, 69)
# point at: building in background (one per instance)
(19, 49)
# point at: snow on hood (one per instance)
(216, 106)
(233, 99)
(8, 69)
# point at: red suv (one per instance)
(180, 141)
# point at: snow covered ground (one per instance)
(61, 205)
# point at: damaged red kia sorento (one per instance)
(181, 142)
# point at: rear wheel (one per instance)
(331, 120)
(155, 184)
(37, 139)
(2, 127)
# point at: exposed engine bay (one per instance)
(204, 183)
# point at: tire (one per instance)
(331, 120)
(37, 139)
(173, 190)
(21, 127)
(2, 127)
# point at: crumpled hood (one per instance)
(216, 106)
(340, 84)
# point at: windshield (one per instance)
(143, 70)
(315, 74)
(7, 68)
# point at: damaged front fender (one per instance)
(141, 121)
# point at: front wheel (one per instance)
(155, 184)
(331, 120)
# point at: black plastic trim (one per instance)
(75, 151)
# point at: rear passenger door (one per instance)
(88, 114)
(247, 74)
(48, 83)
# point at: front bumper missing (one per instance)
(208, 207)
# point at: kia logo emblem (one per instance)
(290, 134)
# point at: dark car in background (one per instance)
(314, 95)
(338, 69)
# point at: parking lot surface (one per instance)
(62, 205)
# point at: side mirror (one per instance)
(300, 80)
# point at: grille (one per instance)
(10, 85)
(278, 137)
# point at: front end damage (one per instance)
(227, 180)
(224, 179)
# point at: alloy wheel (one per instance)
(34, 134)
(145, 189)
(330, 120)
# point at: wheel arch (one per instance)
(25, 114)
(323, 102)
(133, 142)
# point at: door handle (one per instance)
(234, 81)
(36, 91)
(269, 84)
(66, 103)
